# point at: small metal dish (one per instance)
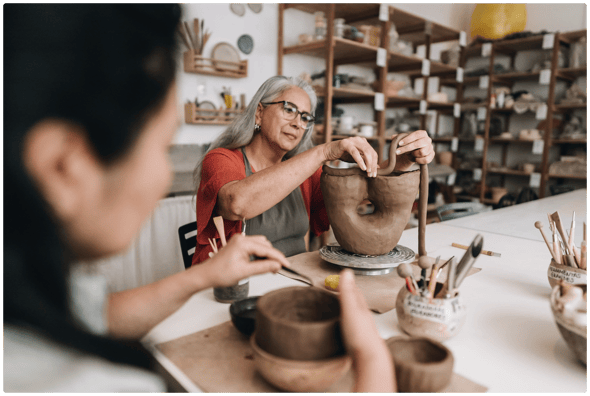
(243, 314)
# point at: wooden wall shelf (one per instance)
(194, 115)
(194, 63)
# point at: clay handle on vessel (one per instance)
(392, 155)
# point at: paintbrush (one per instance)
(539, 226)
(425, 264)
(443, 266)
(486, 252)
(468, 259)
(432, 283)
(556, 245)
(220, 229)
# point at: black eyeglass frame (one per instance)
(300, 113)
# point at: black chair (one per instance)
(459, 209)
(187, 235)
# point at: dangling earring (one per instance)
(256, 127)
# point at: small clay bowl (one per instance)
(299, 375)
(299, 323)
(574, 335)
(421, 364)
(243, 314)
(439, 319)
(570, 275)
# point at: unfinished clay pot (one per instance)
(439, 319)
(570, 275)
(299, 323)
(392, 193)
(299, 375)
(445, 158)
(421, 364)
(574, 334)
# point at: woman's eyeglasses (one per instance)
(290, 111)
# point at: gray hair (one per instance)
(241, 131)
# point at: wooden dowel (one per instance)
(539, 225)
(220, 229)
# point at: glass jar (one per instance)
(320, 26)
(339, 27)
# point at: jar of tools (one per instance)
(438, 318)
(229, 294)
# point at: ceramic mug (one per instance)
(366, 130)
(438, 319)
(345, 124)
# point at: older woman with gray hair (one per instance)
(264, 171)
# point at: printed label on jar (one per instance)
(568, 276)
(441, 311)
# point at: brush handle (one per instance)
(556, 249)
(561, 230)
(583, 256)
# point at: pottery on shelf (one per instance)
(570, 275)
(421, 364)
(299, 323)
(299, 375)
(392, 193)
(445, 158)
(439, 319)
(573, 330)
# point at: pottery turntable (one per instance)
(363, 264)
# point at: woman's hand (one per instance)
(232, 262)
(372, 361)
(416, 147)
(354, 149)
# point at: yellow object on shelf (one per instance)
(331, 282)
(495, 21)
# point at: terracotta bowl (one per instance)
(299, 323)
(574, 335)
(299, 375)
(440, 319)
(421, 364)
(570, 275)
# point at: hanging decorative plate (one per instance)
(255, 7)
(225, 52)
(207, 115)
(238, 9)
(245, 43)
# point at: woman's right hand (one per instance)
(232, 262)
(354, 149)
(373, 364)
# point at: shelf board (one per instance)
(443, 139)
(348, 94)
(569, 141)
(502, 140)
(573, 36)
(568, 107)
(401, 101)
(509, 172)
(345, 51)
(335, 137)
(574, 71)
(555, 176)
(412, 28)
(513, 76)
(521, 44)
(350, 12)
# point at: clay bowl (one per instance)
(574, 335)
(439, 320)
(299, 323)
(299, 375)
(570, 275)
(421, 364)
(243, 315)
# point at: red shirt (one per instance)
(221, 166)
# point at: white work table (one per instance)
(509, 343)
(519, 220)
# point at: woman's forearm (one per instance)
(132, 313)
(261, 191)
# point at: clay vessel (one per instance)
(392, 193)
(574, 335)
(299, 375)
(421, 364)
(445, 158)
(299, 323)
(570, 275)
(439, 319)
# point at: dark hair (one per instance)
(106, 68)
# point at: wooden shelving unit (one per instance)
(511, 48)
(194, 63)
(197, 116)
(340, 51)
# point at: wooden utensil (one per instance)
(433, 275)
(569, 259)
(220, 229)
(184, 39)
(205, 39)
(539, 226)
(198, 36)
(486, 252)
(570, 241)
(188, 33)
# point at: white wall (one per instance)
(262, 62)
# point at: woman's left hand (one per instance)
(416, 147)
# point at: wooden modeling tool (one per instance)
(583, 250)
(570, 241)
(468, 259)
(433, 274)
(198, 35)
(443, 266)
(486, 252)
(184, 39)
(451, 279)
(539, 225)
(220, 229)
(244, 226)
(557, 221)
(556, 246)
(213, 245)
(189, 34)
(405, 271)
